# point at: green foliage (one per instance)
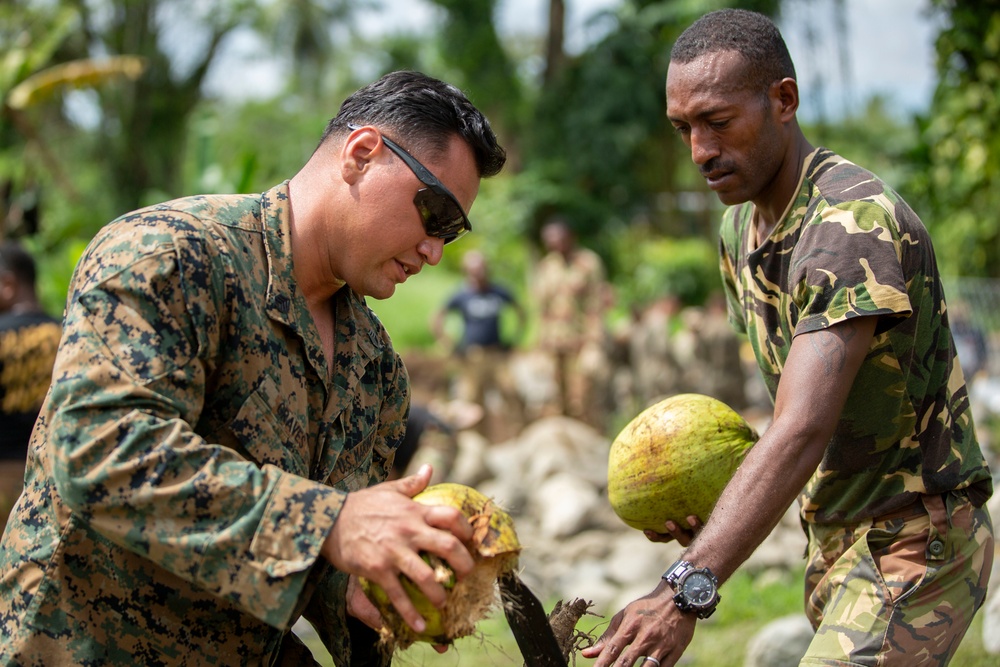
(595, 149)
(960, 169)
(470, 45)
(651, 267)
(876, 140)
(598, 149)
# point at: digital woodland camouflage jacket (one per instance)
(849, 246)
(195, 448)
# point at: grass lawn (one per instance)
(748, 605)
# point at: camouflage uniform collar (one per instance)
(285, 301)
(275, 215)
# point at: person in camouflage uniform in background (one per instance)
(834, 280)
(571, 295)
(204, 471)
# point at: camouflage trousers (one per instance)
(900, 590)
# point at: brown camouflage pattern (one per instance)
(570, 297)
(900, 591)
(195, 449)
(849, 246)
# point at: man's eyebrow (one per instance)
(704, 113)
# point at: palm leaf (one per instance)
(74, 74)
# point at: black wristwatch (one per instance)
(696, 589)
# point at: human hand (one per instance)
(683, 535)
(651, 626)
(381, 533)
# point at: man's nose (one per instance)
(431, 249)
(704, 146)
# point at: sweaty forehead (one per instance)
(713, 79)
(716, 72)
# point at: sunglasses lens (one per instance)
(443, 217)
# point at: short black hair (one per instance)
(14, 259)
(751, 34)
(422, 111)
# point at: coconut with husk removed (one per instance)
(494, 549)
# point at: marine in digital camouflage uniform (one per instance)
(204, 470)
(833, 279)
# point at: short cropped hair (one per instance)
(422, 111)
(753, 35)
(14, 259)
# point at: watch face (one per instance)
(699, 589)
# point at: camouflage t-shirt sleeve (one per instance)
(847, 264)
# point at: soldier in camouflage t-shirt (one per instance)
(224, 403)
(833, 279)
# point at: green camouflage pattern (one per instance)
(195, 449)
(899, 591)
(849, 246)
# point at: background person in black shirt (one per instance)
(28, 341)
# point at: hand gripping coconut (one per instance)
(494, 548)
(674, 459)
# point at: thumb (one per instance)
(413, 484)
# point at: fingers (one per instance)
(449, 519)
(454, 552)
(662, 538)
(603, 643)
(651, 626)
(382, 534)
(401, 602)
(683, 534)
(413, 484)
(360, 607)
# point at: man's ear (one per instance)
(786, 97)
(356, 155)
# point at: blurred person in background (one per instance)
(28, 340)
(571, 295)
(482, 356)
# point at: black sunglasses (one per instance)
(442, 214)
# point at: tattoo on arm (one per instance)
(831, 345)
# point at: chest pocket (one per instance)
(266, 437)
(356, 433)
